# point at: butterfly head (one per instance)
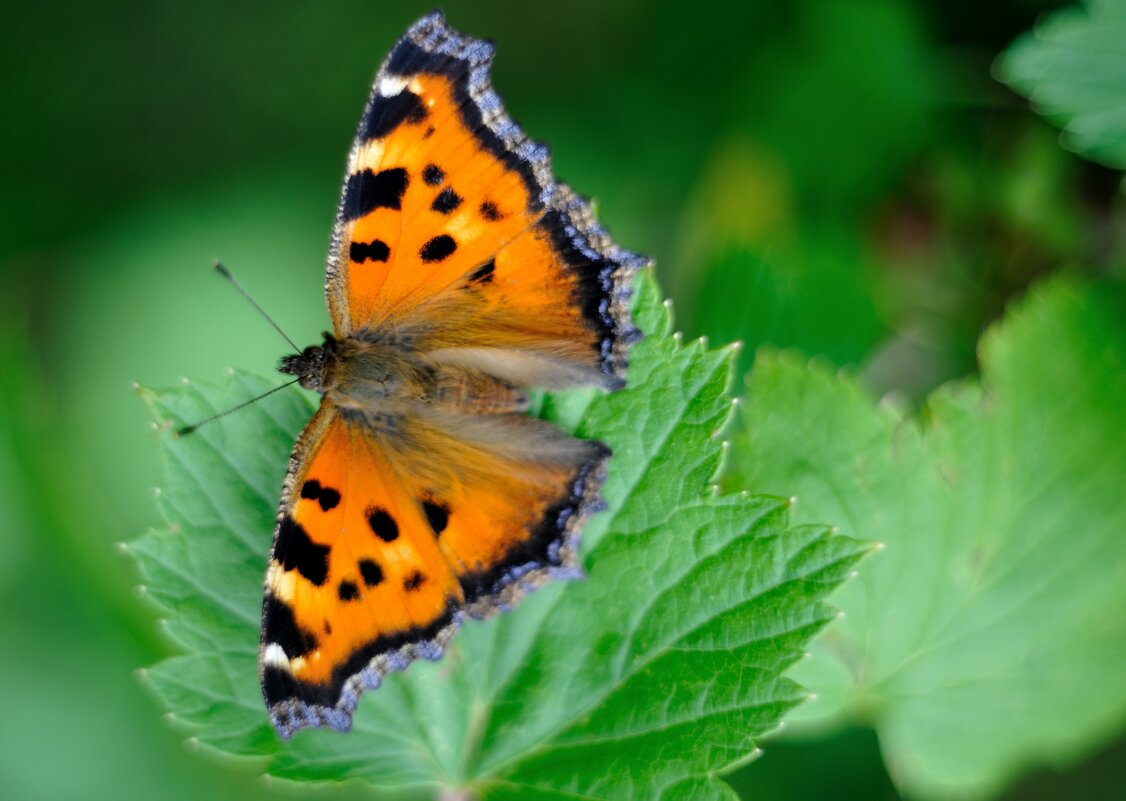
(311, 365)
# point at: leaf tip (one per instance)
(122, 548)
(192, 743)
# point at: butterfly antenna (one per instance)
(223, 271)
(196, 426)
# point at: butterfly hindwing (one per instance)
(380, 549)
(356, 581)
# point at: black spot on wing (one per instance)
(366, 191)
(490, 211)
(413, 581)
(437, 515)
(281, 628)
(439, 248)
(484, 273)
(327, 497)
(347, 591)
(382, 524)
(371, 572)
(433, 174)
(446, 202)
(376, 250)
(297, 552)
(388, 113)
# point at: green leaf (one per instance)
(642, 681)
(1072, 67)
(810, 297)
(990, 634)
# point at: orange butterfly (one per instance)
(459, 271)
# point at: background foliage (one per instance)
(847, 179)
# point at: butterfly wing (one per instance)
(452, 237)
(380, 550)
(447, 205)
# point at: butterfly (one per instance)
(460, 273)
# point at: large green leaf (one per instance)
(990, 635)
(1072, 67)
(643, 681)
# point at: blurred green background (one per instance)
(842, 177)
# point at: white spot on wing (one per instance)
(274, 656)
(391, 85)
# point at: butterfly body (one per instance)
(460, 273)
(370, 375)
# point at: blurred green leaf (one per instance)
(643, 681)
(76, 724)
(1072, 66)
(990, 634)
(796, 297)
(850, 70)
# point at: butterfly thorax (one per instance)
(362, 373)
